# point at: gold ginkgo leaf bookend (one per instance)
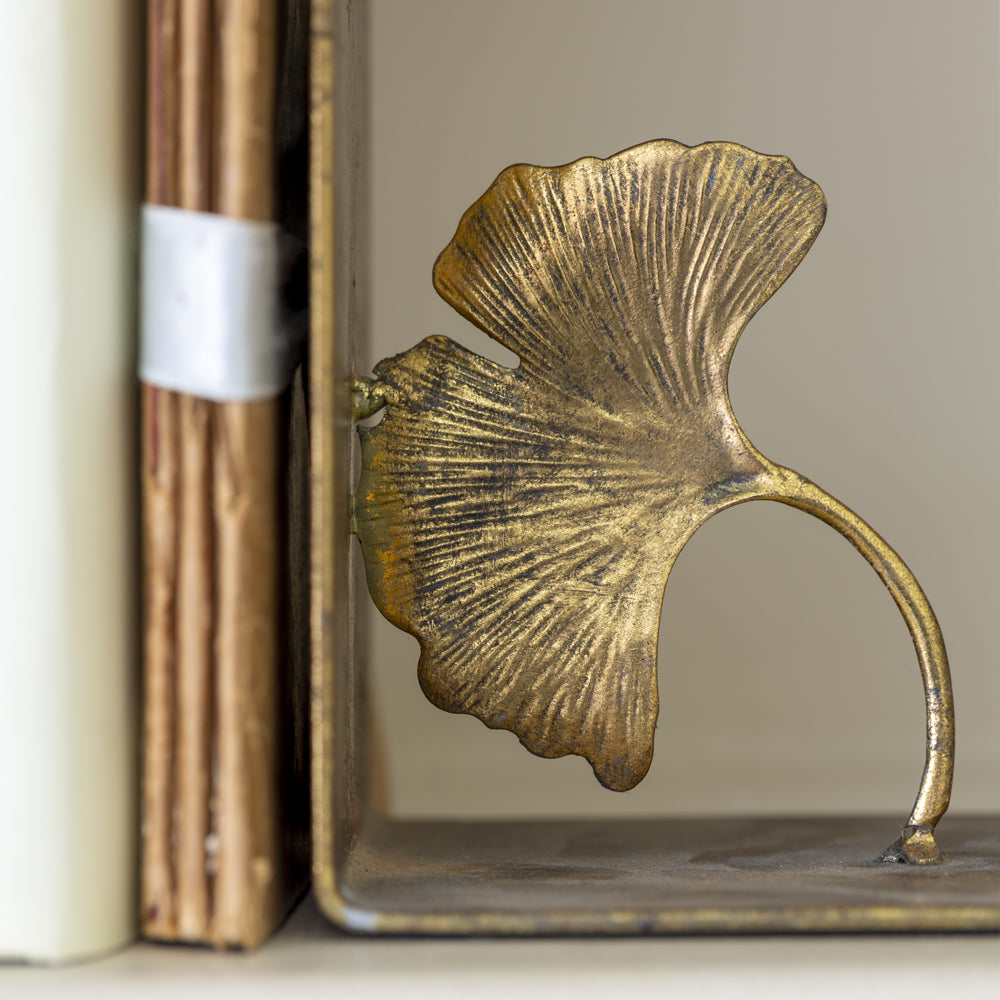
(522, 523)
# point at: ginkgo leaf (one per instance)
(521, 523)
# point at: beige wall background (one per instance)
(788, 681)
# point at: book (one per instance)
(69, 189)
(225, 764)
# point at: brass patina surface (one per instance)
(522, 523)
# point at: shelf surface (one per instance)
(309, 958)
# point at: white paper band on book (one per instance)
(211, 323)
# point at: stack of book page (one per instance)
(224, 485)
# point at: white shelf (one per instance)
(309, 958)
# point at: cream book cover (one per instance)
(69, 186)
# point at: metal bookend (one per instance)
(521, 523)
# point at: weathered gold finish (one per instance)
(522, 523)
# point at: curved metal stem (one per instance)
(917, 844)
